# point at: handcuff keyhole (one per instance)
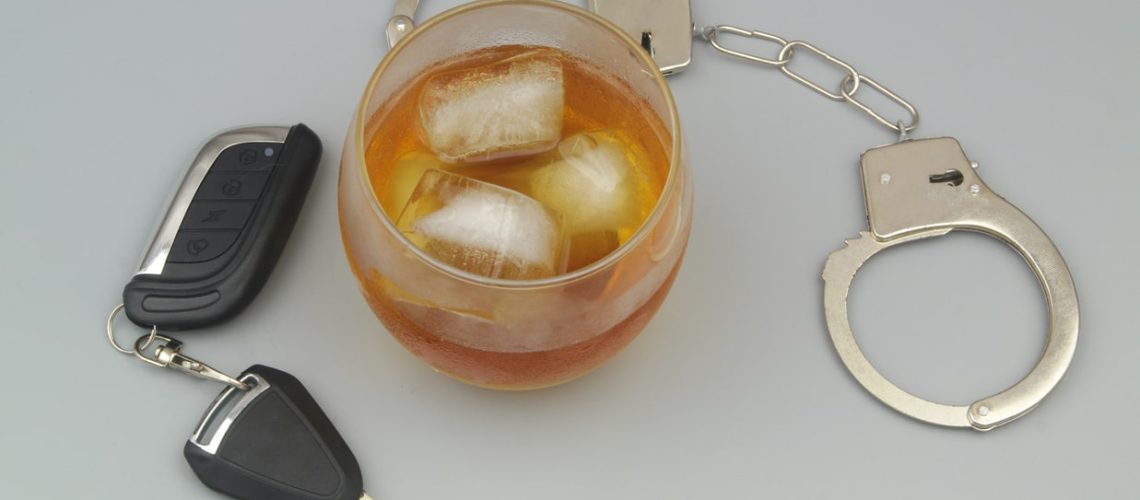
(951, 177)
(647, 42)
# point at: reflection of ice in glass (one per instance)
(405, 176)
(482, 228)
(510, 107)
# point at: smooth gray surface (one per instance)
(734, 391)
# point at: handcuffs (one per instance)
(914, 189)
(923, 188)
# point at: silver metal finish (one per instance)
(786, 55)
(402, 21)
(714, 32)
(256, 384)
(924, 188)
(848, 87)
(154, 260)
(904, 133)
(111, 332)
(663, 27)
(898, 126)
(169, 355)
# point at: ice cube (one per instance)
(507, 108)
(593, 185)
(595, 188)
(483, 228)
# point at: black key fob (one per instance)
(225, 228)
(272, 442)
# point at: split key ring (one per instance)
(923, 188)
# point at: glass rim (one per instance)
(358, 144)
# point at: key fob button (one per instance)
(200, 246)
(249, 156)
(217, 215)
(232, 185)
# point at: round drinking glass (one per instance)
(513, 334)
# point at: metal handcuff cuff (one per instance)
(914, 189)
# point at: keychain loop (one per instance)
(169, 355)
(140, 346)
(111, 332)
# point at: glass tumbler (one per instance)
(508, 334)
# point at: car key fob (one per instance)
(225, 228)
(272, 442)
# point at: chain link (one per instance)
(847, 88)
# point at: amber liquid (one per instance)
(398, 154)
(510, 370)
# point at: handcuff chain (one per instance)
(847, 88)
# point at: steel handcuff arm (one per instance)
(923, 188)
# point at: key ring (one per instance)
(924, 188)
(111, 333)
(168, 355)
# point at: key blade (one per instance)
(275, 442)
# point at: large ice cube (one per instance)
(482, 228)
(593, 185)
(510, 107)
(595, 188)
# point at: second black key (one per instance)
(272, 441)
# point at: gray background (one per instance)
(734, 390)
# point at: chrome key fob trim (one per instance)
(210, 443)
(159, 249)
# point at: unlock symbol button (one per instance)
(231, 187)
(201, 246)
(224, 185)
(196, 246)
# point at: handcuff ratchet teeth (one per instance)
(919, 189)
